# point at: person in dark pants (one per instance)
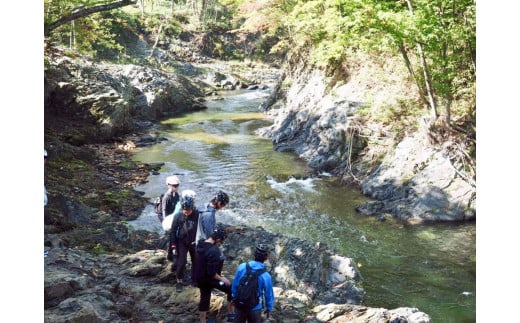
(171, 197)
(170, 205)
(183, 231)
(265, 288)
(207, 273)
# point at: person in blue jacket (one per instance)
(207, 220)
(265, 288)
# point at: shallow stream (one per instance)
(431, 267)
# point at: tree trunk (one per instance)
(141, 4)
(447, 106)
(203, 11)
(194, 8)
(72, 38)
(83, 12)
(426, 73)
(412, 73)
(156, 39)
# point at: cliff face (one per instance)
(322, 118)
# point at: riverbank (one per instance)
(98, 268)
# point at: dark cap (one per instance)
(219, 234)
(261, 252)
(222, 197)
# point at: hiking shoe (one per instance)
(179, 287)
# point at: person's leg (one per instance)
(226, 289)
(205, 297)
(255, 316)
(182, 252)
(202, 317)
(192, 250)
(241, 316)
(181, 265)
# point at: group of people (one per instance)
(195, 232)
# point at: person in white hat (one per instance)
(171, 197)
(170, 205)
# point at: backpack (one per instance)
(157, 204)
(247, 291)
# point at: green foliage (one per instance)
(94, 35)
(444, 29)
(329, 30)
(400, 117)
(330, 26)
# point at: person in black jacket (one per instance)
(170, 198)
(184, 229)
(170, 204)
(207, 273)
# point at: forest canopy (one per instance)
(436, 40)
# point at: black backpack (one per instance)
(247, 291)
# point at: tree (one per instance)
(443, 33)
(81, 11)
(436, 39)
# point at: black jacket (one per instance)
(209, 262)
(169, 201)
(185, 227)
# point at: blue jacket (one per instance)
(207, 223)
(265, 285)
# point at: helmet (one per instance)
(219, 233)
(261, 252)
(187, 203)
(173, 180)
(189, 193)
(222, 197)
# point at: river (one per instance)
(431, 267)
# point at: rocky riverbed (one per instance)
(98, 268)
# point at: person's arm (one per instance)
(213, 264)
(164, 202)
(236, 280)
(175, 224)
(222, 279)
(268, 292)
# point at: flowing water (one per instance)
(430, 267)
